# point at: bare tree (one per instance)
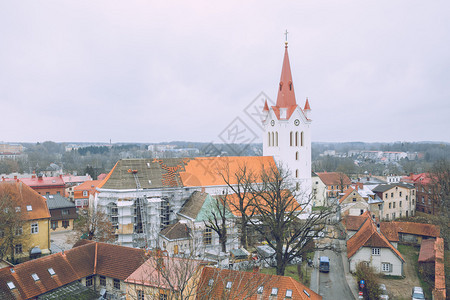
(93, 224)
(281, 219)
(440, 193)
(12, 221)
(240, 184)
(218, 219)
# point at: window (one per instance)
(51, 271)
(375, 251)
(260, 290)
(211, 282)
(392, 195)
(288, 293)
(34, 227)
(291, 138)
(18, 249)
(229, 284)
(102, 280)
(413, 192)
(406, 197)
(54, 225)
(65, 223)
(354, 199)
(117, 284)
(301, 139)
(19, 230)
(272, 140)
(386, 267)
(296, 138)
(207, 236)
(400, 193)
(386, 195)
(423, 199)
(276, 138)
(140, 295)
(296, 173)
(162, 296)
(65, 212)
(29, 208)
(11, 285)
(331, 187)
(274, 292)
(85, 193)
(268, 140)
(400, 204)
(35, 276)
(393, 216)
(393, 205)
(18, 209)
(296, 155)
(390, 205)
(89, 280)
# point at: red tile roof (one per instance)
(353, 223)
(88, 258)
(286, 95)
(26, 198)
(43, 181)
(307, 107)
(334, 178)
(368, 236)
(439, 291)
(427, 253)
(389, 229)
(418, 229)
(244, 285)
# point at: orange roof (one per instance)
(346, 194)
(307, 107)
(334, 178)
(205, 171)
(244, 285)
(353, 223)
(389, 229)
(107, 176)
(368, 236)
(32, 205)
(90, 185)
(286, 95)
(439, 269)
(427, 253)
(266, 107)
(418, 228)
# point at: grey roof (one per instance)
(58, 201)
(176, 231)
(193, 205)
(386, 187)
(151, 173)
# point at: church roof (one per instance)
(286, 95)
(307, 107)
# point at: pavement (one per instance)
(62, 240)
(315, 274)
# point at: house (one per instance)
(399, 200)
(163, 277)
(71, 181)
(336, 183)
(369, 245)
(352, 203)
(84, 193)
(32, 237)
(410, 232)
(423, 184)
(45, 185)
(62, 213)
(95, 265)
(353, 223)
(231, 284)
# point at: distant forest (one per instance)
(99, 159)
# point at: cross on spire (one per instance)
(286, 34)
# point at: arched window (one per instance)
(291, 138)
(296, 155)
(296, 173)
(272, 139)
(296, 138)
(268, 139)
(301, 139)
(276, 138)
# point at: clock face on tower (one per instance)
(296, 122)
(272, 123)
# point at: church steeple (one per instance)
(286, 95)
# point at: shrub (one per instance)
(372, 285)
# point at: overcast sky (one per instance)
(146, 71)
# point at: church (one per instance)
(159, 202)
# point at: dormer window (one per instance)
(51, 271)
(35, 276)
(11, 285)
(288, 293)
(260, 290)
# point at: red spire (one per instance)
(286, 95)
(266, 107)
(307, 105)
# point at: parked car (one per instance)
(417, 293)
(324, 264)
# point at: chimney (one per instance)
(15, 177)
(33, 176)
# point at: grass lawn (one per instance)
(290, 271)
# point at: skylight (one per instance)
(35, 276)
(51, 271)
(229, 284)
(211, 281)
(307, 294)
(288, 293)
(260, 290)
(11, 285)
(29, 208)
(274, 292)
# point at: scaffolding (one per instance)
(141, 207)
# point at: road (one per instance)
(333, 285)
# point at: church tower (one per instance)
(287, 135)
